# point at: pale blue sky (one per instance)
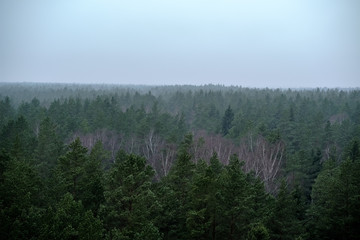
(253, 43)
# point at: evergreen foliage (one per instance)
(98, 162)
(227, 121)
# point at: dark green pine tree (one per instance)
(168, 215)
(346, 213)
(233, 201)
(91, 185)
(300, 207)
(70, 169)
(130, 206)
(319, 214)
(258, 232)
(49, 147)
(174, 194)
(6, 110)
(213, 173)
(284, 224)
(69, 220)
(17, 139)
(227, 119)
(197, 220)
(312, 171)
(352, 151)
(259, 205)
(21, 199)
(335, 210)
(203, 215)
(5, 160)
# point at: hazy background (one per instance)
(253, 43)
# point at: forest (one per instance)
(81, 161)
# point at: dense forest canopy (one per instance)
(178, 162)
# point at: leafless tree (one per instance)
(263, 158)
(167, 157)
(111, 140)
(151, 145)
(259, 155)
(205, 144)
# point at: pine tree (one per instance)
(335, 210)
(21, 198)
(71, 168)
(91, 185)
(213, 173)
(227, 120)
(69, 220)
(203, 214)
(17, 139)
(178, 186)
(49, 147)
(284, 222)
(233, 201)
(130, 204)
(312, 171)
(6, 110)
(322, 201)
(258, 232)
(197, 219)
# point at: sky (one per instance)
(250, 43)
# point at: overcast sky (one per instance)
(252, 43)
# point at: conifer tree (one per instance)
(178, 186)
(284, 224)
(71, 168)
(92, 183)
(335, 210)
(49, 147)
(21, 198)
(234, 201)
(197, 219)
(227, 120)
(69, 220)
(130, 204)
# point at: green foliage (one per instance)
(258, 232)
(178, 183)
(335, 210)
(227, 120)
(17, 140)
(21, 197)
(198, 220)
(6, 110)
(286, 221)
(69, 220)
(49, 147)
(48, 192)
(92, 184)
(234, 200)
(352, 151)
(129, 202)
(71, 168)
